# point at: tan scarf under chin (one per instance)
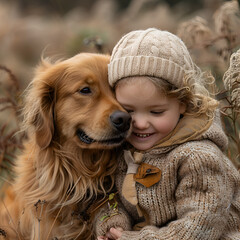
(137, 171)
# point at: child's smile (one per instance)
(145, 135)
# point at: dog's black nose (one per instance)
(120, 120)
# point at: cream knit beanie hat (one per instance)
(150, 52)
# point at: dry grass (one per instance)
(10, 140)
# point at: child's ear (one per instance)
(183, 108)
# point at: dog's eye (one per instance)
(85, 90)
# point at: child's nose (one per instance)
(140, 122)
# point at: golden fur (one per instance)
(59, 174)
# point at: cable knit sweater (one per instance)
(197, 197)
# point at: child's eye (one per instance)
(157, 112)
(128, 110)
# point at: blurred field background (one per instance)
(60, 28)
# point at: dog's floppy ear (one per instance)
(44, 120)
(41, 101)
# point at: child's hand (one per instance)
(116, 233)
(113, 234)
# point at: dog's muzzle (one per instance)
(120, 121)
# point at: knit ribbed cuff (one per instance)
(119, 220)
(145, 66)
(139, 235)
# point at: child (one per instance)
(173, 179)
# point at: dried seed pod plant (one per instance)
(231, 106)
(195, 33)
(227, 20)
(213, 49)
(217, 42)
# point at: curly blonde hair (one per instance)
(197, 92)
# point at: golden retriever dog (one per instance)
(74, 125)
